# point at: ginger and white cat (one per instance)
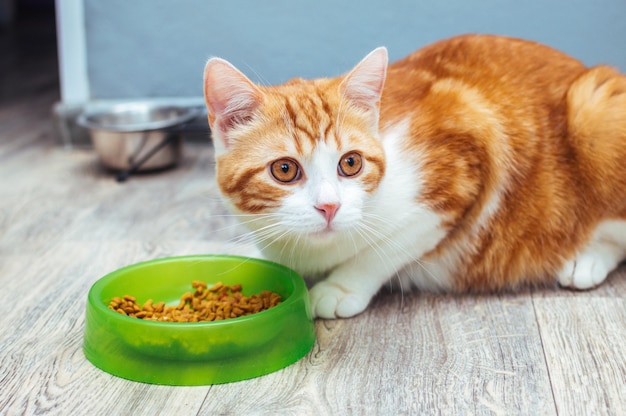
(477, 163)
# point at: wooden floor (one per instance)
(65, 222)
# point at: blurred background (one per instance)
(156, 49)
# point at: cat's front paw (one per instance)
(330, 301)
(585, 272)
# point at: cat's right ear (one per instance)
(231, 98)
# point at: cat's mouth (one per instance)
(325, 233)
(328, 231)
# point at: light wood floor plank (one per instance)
(584, 339)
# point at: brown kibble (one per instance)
(148, 306)
(198, 283)
(213, 304)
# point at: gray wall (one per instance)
(157, 48)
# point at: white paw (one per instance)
(330, 301)
(566, 275)
(586, 271)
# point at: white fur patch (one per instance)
(389, 242)
(603, 253)
(405, 182)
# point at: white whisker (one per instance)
(373, 222)
(262, 80)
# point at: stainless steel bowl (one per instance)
(137, 136)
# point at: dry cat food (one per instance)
(216, 303)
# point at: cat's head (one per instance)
(303, 157)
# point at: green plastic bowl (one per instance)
(200, 353)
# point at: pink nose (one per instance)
(328, 210)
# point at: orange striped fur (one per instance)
(478, 163)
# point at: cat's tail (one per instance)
(597, 127)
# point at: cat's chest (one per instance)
(314, 259)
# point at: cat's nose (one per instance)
(328, 210)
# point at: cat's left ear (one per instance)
(363, 85)
(231, 99)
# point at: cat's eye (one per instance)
(285, 170)
(350, 164)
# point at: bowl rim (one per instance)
(95, 300)
(187, 113)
